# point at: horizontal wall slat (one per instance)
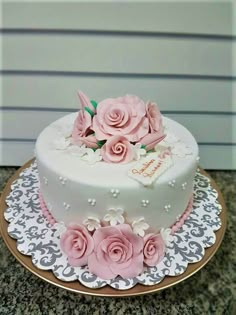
(206, 128)
(211, 18)
(212, 156)
(170, 94)
(218, 157)
(116, 54)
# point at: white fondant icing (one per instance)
(140, 226)
(84, 181)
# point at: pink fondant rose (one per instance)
(154, 249)
(117, 149)
(81, 133)
(156, 132)
(123, 116)
(77, 244)
(117, 251)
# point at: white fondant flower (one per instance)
(138, 151)
(64, 130)
(92, 223)
(161, 147)
(140, 226)
(166, 236)
(60, 228)
(77, 150)
(170, 138)
(114, 216)
(61, 143)
(92, 156)
(181, 149)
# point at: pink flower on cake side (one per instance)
(117, 149)
(77, 244)
(123, 116)
(156, 132)
(82, 133)
(154, 249)
(117, 251)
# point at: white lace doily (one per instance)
(37, 238)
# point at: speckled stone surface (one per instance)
(212, 290)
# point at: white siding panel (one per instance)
(171, 94)
(15, 153)
(212, 157)
(117, 54)
(182, 17)
(218, 157)
(206, 128)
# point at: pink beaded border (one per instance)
(178, 224)
(174, 228)
(45, 210)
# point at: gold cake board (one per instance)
(76, 286)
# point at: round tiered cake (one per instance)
(119, 177)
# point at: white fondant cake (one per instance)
(117, 163)
(74, 189)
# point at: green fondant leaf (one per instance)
(89, 111)
(101, 143)
(143, 146)
(94, 103)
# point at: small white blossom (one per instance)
(92, 156)
(77, 150)
(138, 151)
(170, 138)
(166, 236)
(140, 226)
(64, 130)
(161, 147)
(60, 228)
(181, 150)
(114, 216)
(61, 143)
(92, 223)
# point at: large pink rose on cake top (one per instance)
(123, 116)
(81, 133)
(154, 249)
(77, 244)
(117, 251)
(156, 130)
(117, 149)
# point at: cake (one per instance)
(118, 178)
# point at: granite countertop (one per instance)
(212, 290)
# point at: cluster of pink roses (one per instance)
(115, 124)
(111, 250)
